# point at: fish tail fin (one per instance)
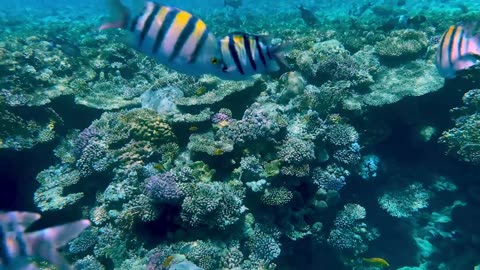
(474, 46)
(119, 15)
(44, 243)
(279, 52)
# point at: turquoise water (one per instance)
(357, 155)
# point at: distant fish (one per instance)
(65, 46)
(232, 3)
(17, 248)
(377, 262)
(308, 16)
(245, 55)
(174, 37)
(401, 3)
(416, 20)
(458, 50)
(358, 11)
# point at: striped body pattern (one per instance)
(17, 248)
(458, 50)
(174, 37)
(244, 55)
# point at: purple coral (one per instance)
(163, 188)
(220, 117)
(85, 138)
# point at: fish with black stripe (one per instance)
(244, 55)
(18, 249)
(458, 50)
(172, 36)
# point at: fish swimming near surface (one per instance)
(458, 50)
(17, 248)
(232, 3)
(244, 55)
(377, 262)
(172, 36)
(308, 16)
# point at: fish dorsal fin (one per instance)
(264, 38)
(14, 220)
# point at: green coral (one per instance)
(147, 125)
(50, 195)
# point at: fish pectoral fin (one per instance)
(229, 69)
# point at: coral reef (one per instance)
(181, 172)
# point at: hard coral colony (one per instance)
(315, 148)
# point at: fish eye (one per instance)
(214, 60)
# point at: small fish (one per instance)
(377, 262)
(458, 50)
(308, 16)
(17, 248)
(244, 55)
(232, 3)
(358, 11)
(65, 46)
(401, 3)
(173, 36)
(416, 20)
(167, 262)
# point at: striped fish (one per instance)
(458, 50)
(174, 37)
(244, 55)
(17, 248)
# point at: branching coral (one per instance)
(296, 151)
(405, 202)
(264, 246)
(330, 178)
(163, 188)
(350, 233)
(463, 141)
(402, 44)
(215, 204)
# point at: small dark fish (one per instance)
(17, 248)
(360, 10)
(308, 16)
(232, 3)
(401, 3)
(389, 25)
(65, 46)
(463, 7)
(416, 20)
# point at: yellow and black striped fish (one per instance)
(17, 248)
(244, 55)
(173, 36)
(458, 50)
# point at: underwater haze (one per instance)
(240, 135)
